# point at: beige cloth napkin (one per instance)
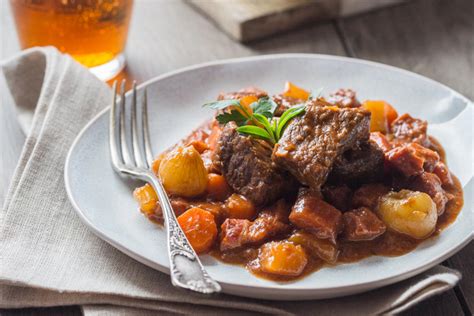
(49, 258)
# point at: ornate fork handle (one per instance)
(134, 161)
(185, 267)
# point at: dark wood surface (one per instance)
(430, 37)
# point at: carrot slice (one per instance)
(237, 206)
(382, 115)
(199, 227)
(217, 187)
(293, 91)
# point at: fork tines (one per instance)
(129, 150)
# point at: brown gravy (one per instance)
(389, 244)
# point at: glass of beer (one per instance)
(93, 32)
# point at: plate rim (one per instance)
(343, 289)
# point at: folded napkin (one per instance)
(49, 258)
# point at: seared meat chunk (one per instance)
(381, 141)
(242, 93)
(412, 159)
(362, 224)
(234, 233)
(238, 232)
(311, 213)
(344, 98)
(406, 129)
(312, 142)
(361, 164)
(270, 222)
(443, 173)
(246, 164)
(339, 196)
(430, 184)
(368, 195)
(285, 102)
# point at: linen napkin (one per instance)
(49, 258)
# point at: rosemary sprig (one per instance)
(260, 121)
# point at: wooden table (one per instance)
(433, 38)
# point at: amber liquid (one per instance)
(94, 32)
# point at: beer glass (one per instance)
(93, 32)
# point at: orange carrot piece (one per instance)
(382, 115)
(217, 187)
(238, 206)
(213, 137)
(199, 227)
(293, 91)
(199, 145)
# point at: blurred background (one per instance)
(431, 37)
(434, 38)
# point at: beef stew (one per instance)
(287, 184)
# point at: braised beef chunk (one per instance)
(368, 195)
(312, 142)
(234, 233)
(242, 93)
(381, 141)
(443, 173)
(179, 205)
(339, 196)
(362, 224)
(247, 166)
(284, 103)
(361, 164)
(406, 129)
(344, 98)
(412, 159)
(269, 223)
(430, 184)
(311, 213)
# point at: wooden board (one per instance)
(247, 20)
(431, 37)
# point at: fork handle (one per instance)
(185, 267)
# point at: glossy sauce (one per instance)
(389, 244)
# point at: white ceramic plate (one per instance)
(104, 201)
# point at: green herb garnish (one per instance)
(286, 117)
(259, 122)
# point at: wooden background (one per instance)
(432, 37)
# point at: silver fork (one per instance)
(185, 266)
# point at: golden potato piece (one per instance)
(146, 198)
(183, 173)
(282, 258)
(409, 212)
(321, 248)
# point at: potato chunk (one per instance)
(146, 198)
(183, 172)
(409, 212)
(320, 248)
(282, 258)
